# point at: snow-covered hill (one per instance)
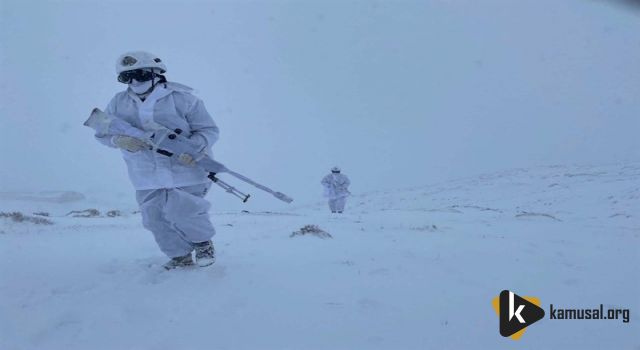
(408, 269)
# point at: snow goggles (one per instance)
(137, 74)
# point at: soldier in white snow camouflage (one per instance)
(170, 191)
(336, 188)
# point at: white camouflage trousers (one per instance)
(337, 204)
(177, 217)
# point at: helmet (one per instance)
(137, 60)
(335, 169)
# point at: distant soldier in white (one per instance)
(170, 192)
(336, 189)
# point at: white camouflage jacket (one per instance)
(173, 106)
(336, 185)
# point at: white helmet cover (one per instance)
(138, 60)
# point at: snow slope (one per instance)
(408, 269)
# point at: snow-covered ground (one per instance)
(408, 269)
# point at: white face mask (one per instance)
(140, 87)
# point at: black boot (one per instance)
(205, 253)
(179, 261)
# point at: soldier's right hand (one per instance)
(131, 144)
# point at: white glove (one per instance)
(131, 144)
(186, 159)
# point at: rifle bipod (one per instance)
(228, 188)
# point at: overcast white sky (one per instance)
(397, 93)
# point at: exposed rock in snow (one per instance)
(427, 228)
(114, 213)
(87, 213)
(529, 215)
(19, 217)
(312, 230)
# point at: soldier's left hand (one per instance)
(186, 159)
